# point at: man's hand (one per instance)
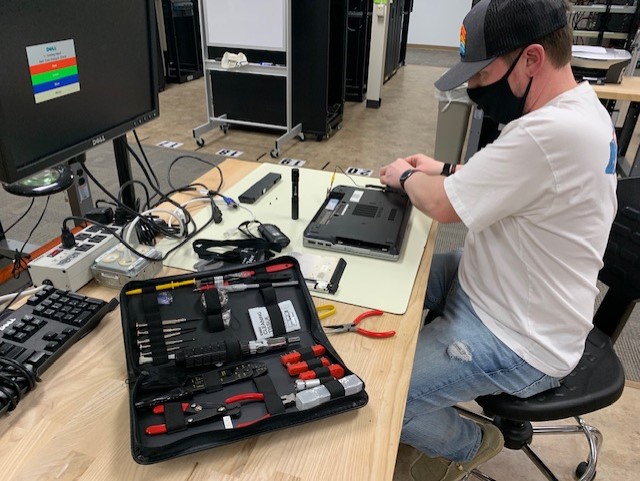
(425, 164)
(390, 174)
(426, 192)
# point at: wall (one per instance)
(437, 22)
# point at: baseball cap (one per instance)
(495, 27)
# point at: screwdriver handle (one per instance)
(335, 370)
(300, 367)
(302, 354)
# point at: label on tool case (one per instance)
(262, 322)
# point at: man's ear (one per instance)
(534, 57)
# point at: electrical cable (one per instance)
(125, 208)
(349, 176)
(98, 202)
(133, 182)
(21, 217)
(144, 156)
(21, 293)
(148, 222)
(244, 228)
(156, 188)
(129, 228)
(12, 374)
(193, 157)
(16, 296)
(18, 266)
(188, 236)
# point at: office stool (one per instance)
(598, 379)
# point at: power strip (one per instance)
(70, 269)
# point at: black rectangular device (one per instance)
(258, 189)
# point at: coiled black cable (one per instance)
(16, 380)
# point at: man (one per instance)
(516, 306)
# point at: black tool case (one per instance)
(176, 381)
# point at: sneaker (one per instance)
(441, 469)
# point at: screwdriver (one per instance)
(224, 351)
(207, 284)
(244, 287)
(162, 287)
(166, 322)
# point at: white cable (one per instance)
(198, 200)
(251, 213)
(28, 292)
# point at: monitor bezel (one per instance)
(9, 173)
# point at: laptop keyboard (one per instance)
(34, 335)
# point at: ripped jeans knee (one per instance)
(459, 350)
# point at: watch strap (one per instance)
(448, 169)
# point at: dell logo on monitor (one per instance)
(51, 49)
(98, 140)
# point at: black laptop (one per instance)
(364, 221)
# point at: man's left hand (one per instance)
(390, 174)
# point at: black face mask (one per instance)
(497, 100)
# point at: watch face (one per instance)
(405, 175)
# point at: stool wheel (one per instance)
(582, 468)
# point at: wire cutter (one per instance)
(287, 400)
(195, 413)
(353, 327)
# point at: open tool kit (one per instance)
(218, 356)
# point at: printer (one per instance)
(598, 64)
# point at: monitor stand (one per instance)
(123, 164)
(8, 247)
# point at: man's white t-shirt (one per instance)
(539, 203)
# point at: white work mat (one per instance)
(367, 282)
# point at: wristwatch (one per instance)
(405, 175)
(448, 169)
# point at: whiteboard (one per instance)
(252, 24)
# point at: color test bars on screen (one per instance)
(54, 70)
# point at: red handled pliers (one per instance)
(196, 413)
(287, 400)
(353, 327)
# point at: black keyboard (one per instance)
(33, 336)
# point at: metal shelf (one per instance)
(603, 20)
(603, 8)
(595, 34)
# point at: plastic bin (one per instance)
(454, 107)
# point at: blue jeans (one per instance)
(458, 359)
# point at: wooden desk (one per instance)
(629, 90)
(75, 425)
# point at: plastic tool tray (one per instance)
(205, 371)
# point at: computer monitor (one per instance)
(75, 74)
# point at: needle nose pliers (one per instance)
(353, 326)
